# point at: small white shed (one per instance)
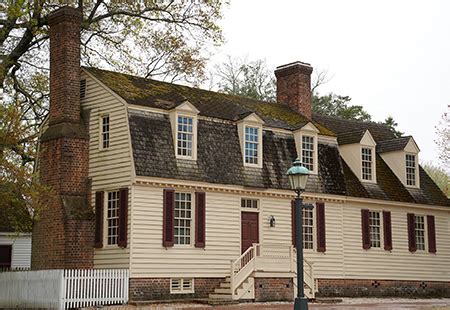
(15, 250)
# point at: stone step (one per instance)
(222, 291)
(220, 296)
(225, 285)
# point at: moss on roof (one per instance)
(163, 95)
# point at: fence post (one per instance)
(62, 290)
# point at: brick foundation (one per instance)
(381, 288)
(145, 289)
(274, 289)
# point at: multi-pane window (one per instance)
(249, 203)
(180, 286)
(366, 157)
(112, 217)
(183, 218)
(308, 229)
(308, 152)
(105, 132)
(410, 170)
(185, 135)
(251, 145)
(375, 229)
(420, 232)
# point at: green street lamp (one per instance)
(298, 176)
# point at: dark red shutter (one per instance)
(365, 228)
(123, 218)
(320, 220)
(99, 206)
(200, 210)
(293, 222)
(168, 206)
(431, 234)
(387, 229)
(411, 232)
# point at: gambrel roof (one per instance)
(219, 157)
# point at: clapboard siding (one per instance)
(21, 249)
(109, 169)
(400, 264)
(344, 256)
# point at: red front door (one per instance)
(249, 230)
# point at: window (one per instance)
(375, 229)
(251, 145)
(249, 203)
(420, 232)
(410, 170)
(308, 229)
(308, 152)
(366, 156)
(105, 132)
(5, 257)
(183, 218)
(112, 217)
(181, 286)
(184, 136)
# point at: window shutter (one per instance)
(99, 206)
(387, 230)
(293, 222)
(320, 220)
(431, 234)
(123, 218)
(411, 233)
(365, 226)
(200, 210)
(168, 206)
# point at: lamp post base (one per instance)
(301, 303)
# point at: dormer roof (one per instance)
(399, 144)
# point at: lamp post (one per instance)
(298, 176)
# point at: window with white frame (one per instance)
(249, 203)
(410, 170)
(185, 135)
(367, 160)
(375, 229)
(308, 229)
(183, 218)
(251, 145)
(181, 286)
(112, 217)
(308, 152)
(105, 132)
(420, 232)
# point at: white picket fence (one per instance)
(63, 289)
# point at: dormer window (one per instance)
(410, 170)
(308, 150)
(250, 133)
(185, 130)
(184, 120)
(306, 139)
(367, 163)
(251, 145)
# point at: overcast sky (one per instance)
(392, 57)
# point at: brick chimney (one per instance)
(294, 86)
(63, 236)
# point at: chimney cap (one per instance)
(293, 67)
(65, 14)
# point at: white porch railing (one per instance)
(269, 258)
(63, 289)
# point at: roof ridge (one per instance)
(350, 120)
